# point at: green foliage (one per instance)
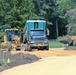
(43, 9)
(14, 13)
(65, 5)
(1, 36)
(71, 16)
(67, 11)
(56, 44)
(73, 31)
(5, 61)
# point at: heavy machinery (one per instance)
(34, 36)
(70, 40)
(12, 40)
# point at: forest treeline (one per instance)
(14, 13)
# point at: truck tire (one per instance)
(27, 47)
(74, 43)
(47, 47)
(40, 48)
(9, 46)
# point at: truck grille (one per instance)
(39, 41)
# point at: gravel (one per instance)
(15, 60)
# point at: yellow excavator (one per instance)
(12, 40)
(70, 40)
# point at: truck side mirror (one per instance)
(47, 32)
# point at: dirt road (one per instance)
(51, 52)
(54, 62)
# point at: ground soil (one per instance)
(56, 61)
(9, 60)
(51, 52)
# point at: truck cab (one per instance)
(35, 35)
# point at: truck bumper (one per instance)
(38, 45)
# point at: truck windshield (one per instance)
(37, 32)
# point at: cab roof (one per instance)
(35, 21)
(11, 29)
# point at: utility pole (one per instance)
(56, 21)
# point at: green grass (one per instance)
(5, 61)
(56, 43)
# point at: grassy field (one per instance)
(56, 44)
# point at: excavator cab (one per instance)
(11, 34)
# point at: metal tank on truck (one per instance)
(34, 35)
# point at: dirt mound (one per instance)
(70, 48)
(15, 60)
(66, 39)
(1, 53)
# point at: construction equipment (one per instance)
(12, 40)
(70, 40)
(35, 35)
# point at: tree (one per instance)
(71, 16)
(15, 13)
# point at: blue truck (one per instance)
(34, 35)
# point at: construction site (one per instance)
(37, 37)
(32, 55)
(55, 61)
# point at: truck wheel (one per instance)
(40, 48)
(74, 43)
(47, 47)
(9, 46)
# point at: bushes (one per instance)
(56, 43)
(1, 36)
